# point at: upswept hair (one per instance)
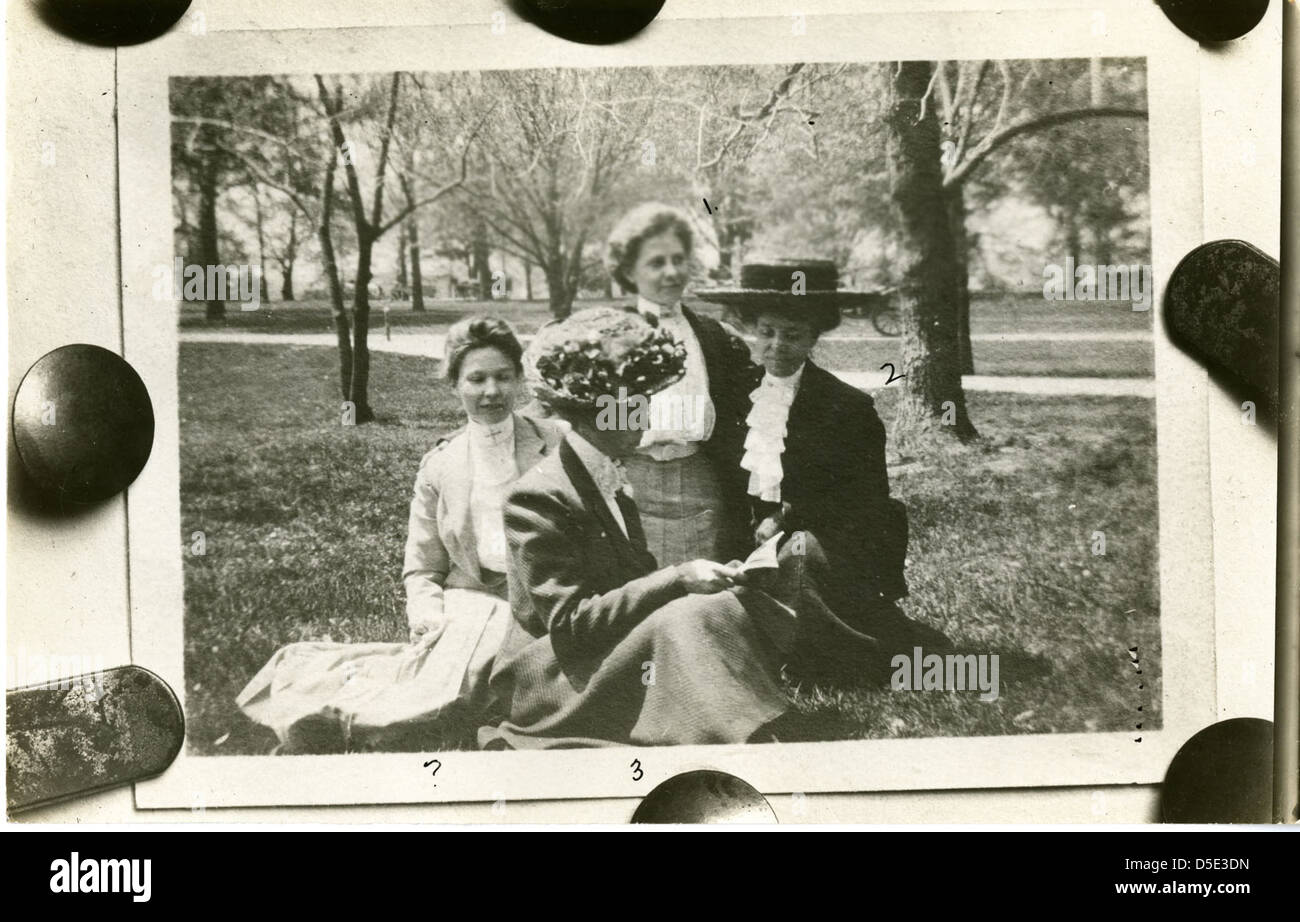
(649, 219)
(472, 333)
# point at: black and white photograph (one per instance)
(749, 404)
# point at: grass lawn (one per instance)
(305, 520)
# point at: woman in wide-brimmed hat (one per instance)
(813, 451)
(608, 646)
(691, 500)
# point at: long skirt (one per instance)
(332, 696)
(703, 669)
(680, 503)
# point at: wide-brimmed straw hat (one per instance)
(777, 285)
(601, 351)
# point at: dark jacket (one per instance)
(835, 482)
(592, 614)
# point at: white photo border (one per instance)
(150, 343)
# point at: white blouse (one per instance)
(681, 416)
(765, 442)
(608, 476)
(492, 454)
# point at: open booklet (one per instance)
(763, 556)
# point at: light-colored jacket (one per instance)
(441, 550)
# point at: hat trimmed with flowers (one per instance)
(602, 352)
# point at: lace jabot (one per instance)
(765, 442)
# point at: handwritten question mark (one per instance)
(433, 762)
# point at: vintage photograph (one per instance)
(568, 407)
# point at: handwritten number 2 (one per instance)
(892, 377)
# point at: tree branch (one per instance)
(332, 110)
(994, 141)
(377, 209)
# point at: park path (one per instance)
(1107, 336)
(431, 345)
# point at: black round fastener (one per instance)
(112, 22)
(1214, 21)
(594, 22)
(704, 796)
(82, 424)
(1223, 774)
(1221, 304)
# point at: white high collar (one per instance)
(789, 382)
(492, 433)
(646, 306)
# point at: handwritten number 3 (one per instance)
(892, 377)
(637, 774)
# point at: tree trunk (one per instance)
(417, 280)
(1100, 227)
(361, 331)
(560, 295)
(264, 292)
(933, 403)
(957, 224)
(286, 282)
(342, 331)
(286, 264)
(528, 280)
(1073, 235)
(402, 244)
(480, 253)
(208, 255)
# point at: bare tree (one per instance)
(371, 223)
(981, 116)
(946, 120)
(548, 165)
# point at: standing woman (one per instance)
(691, 498)
(329, 697)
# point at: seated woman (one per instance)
(607, 647)
(327, 696)
(814, 451)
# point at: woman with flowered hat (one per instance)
(691, 499)
(608, 646)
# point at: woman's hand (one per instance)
(702, 577)
(425, 630)
(768, 527)
(773, 523)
